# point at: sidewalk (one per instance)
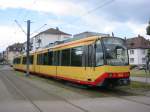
(140, 79)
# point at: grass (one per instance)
(139, 73)
(138, 88)
(139, 85)
(1, 66)
(133, 84)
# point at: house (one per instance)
(12, 51)
(1, 55)
(47, 37)
(3, 58)
(137, 50)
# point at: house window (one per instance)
(131, 60)
(131, 51)
(143, 60)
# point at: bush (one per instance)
(133, 66)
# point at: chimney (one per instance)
(125, 38)
(57, 28)
(139, 35)
(112, 34)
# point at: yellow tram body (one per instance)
(93, 75)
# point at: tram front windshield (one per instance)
(115, 51)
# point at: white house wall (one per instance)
(11, 55)
(138, 55)
(46, 39)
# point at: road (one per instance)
(22, 94)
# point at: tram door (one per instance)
(89, 61)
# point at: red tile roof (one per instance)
(54, 31)
(138, 42)
(15, 47)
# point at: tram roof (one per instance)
(71, 43)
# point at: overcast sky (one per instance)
(126, 18)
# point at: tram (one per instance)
(92, 61)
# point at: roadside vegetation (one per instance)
(139, 85)
(139, 73)
(134, 87)
(138, 88)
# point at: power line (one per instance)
(101, 6)
(20, 12)
(20, 27)
(38, 29)
(92, 10)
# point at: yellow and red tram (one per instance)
(94, 61)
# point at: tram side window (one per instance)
(65, 57)
(50, 58)
(45, 58)
(16, 61)
(76, 56)
(99, 54)
(24, 60)
(31, 59)
(40, 59)
(56, 58)
(90, 56)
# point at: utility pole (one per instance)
(28, 48)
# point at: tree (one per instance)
(148, 29)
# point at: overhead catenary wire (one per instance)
(18, 15)
(92, 10)
(87, 13)
(20, 27)
(25, 15)
(38, 29)
(100, 6)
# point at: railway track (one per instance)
(104, 92)
(12, 84)
(116, 93)
(19, 91)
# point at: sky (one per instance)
(125, 18)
